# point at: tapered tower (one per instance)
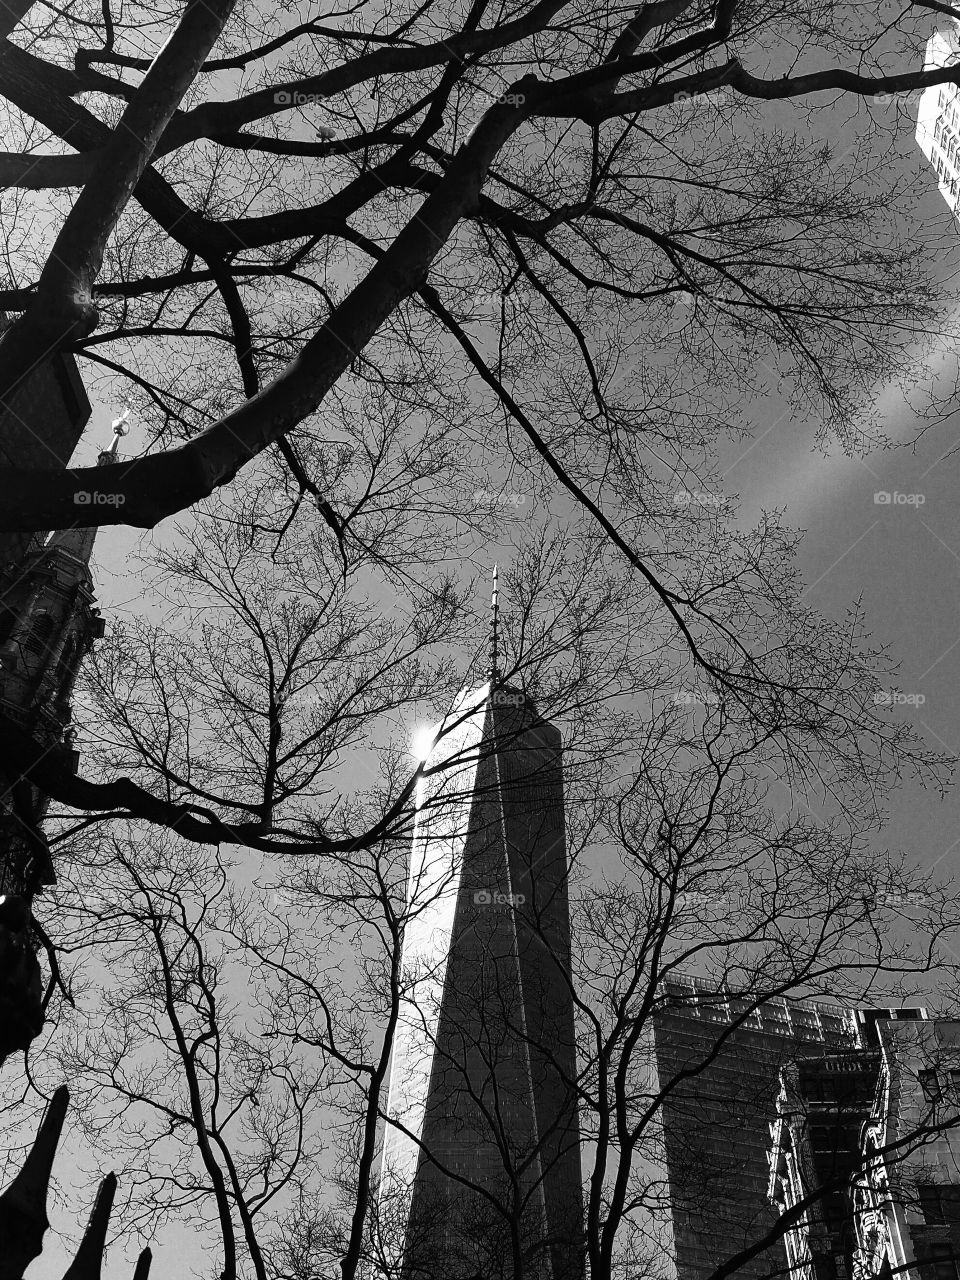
(481, 1163)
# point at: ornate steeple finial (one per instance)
(79, 542)
(494, 636)
(120, 428)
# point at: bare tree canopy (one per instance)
(384, 286)
(551, 157)
(373, 268)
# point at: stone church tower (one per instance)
(48, 621)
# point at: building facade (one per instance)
(823, 1105)
(481, 1159)
(878, 1126)
(938, 117)
(720, 1065)
(48, 621)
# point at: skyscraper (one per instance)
(481, 1159)
(938, 117)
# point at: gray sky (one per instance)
(902, 558)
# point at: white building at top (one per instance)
(938, 119)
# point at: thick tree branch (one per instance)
(145, 491)
(43, 92)
(647, 19)
(213, 118)
(36, 173)
(86, 57)
(64, 306)
(51, 770)
(732, 75)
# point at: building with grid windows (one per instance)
(719, 1062)
(938, 118)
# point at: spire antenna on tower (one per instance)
(494, 636)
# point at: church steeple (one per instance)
(48, 623)
(78, 543)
